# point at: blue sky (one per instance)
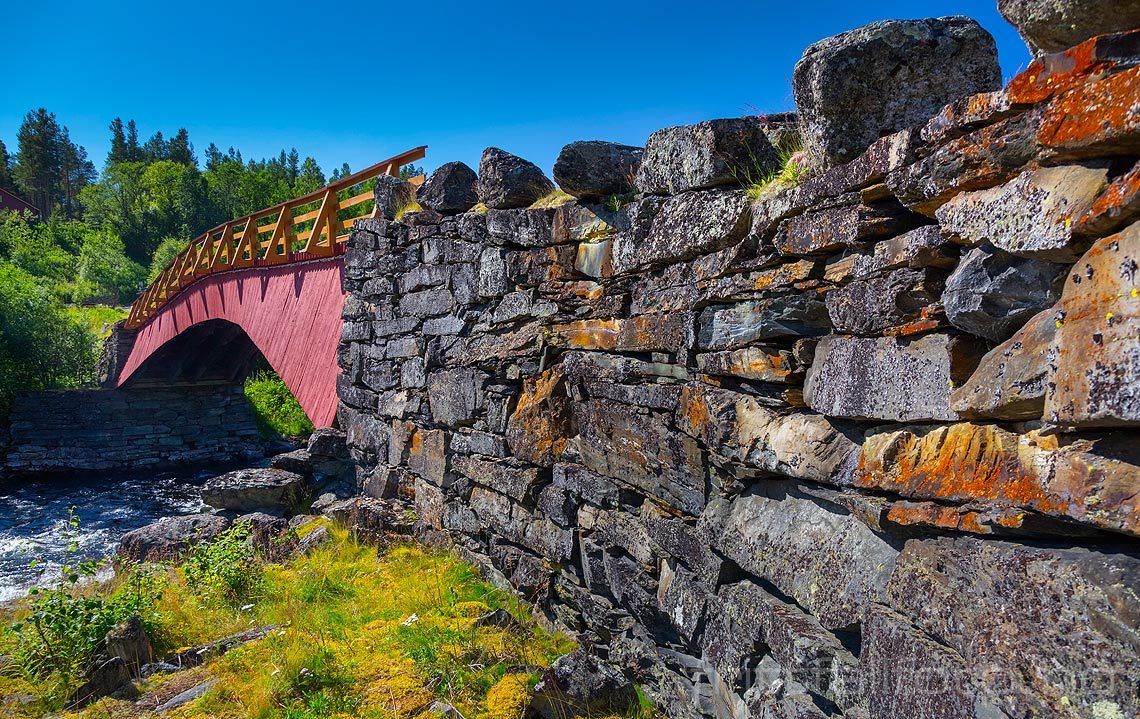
(359, 82)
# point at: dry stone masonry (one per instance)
(863, 446)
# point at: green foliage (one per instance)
(64, 627)
(105, 273)
(41, 346)
(166, 251)
(98, 319)
(226, 570)
(50, 169)
(275, 406)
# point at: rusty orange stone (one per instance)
(1092, 480)
(540, 428)
(1097, 118)
(1116, 206)
(1059, 72)
(644, 333)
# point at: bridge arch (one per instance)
(290, 313)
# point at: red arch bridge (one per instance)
(265, 286)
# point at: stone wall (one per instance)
(100, 430)
(863, 445)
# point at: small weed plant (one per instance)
(55, 641)
(757, 182)
(226, 570)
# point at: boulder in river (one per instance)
(258, 488)
(169, 537)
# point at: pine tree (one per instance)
(75, 173)
(134, 151)
(292, 163)
(156, 149)
(38, 159)
(180, 149)
(5, 168)
(214, 157)
(118, 151)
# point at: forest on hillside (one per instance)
(102, 234)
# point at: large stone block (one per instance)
(507, 181)
(889, 378)
(597, 169)
(1096, 381)
(1032, 215)
(454, 395)
(451, 189)
(907, 673)
(541, 427)
(1089, 479)
(690, 224)
(1056, 25)
(1043, 631)
(730, 327)
(708, 154)
(857, 86)
(992, 293)
(871, 306)
(738, 427)
(831, 564)
(1010, 381)
(641, 451)
(827, 231)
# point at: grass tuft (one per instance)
(758, 183)
(554, 199)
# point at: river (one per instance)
(34, 518)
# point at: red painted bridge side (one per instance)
(292, 313)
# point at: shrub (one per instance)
(226, 570)
(163, 254)
(275, 406)
(41, 346)
(55, 643)
(105, 272)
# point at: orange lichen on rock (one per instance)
(1058, 72)
(1093, 481)
(540, 428)
(1094, 118)
(643, 333)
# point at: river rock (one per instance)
(992, 293)
(709, 154)
(370, 518)
(1032, 215)
(1018, 616)
(1096, 381)
(1010, 381)
(247, 490)
(857, 86)
(451, 189)
(830, 563)
(393, 196)
(507, 181)
(580, 683)
(592, 169)
(129, 642)
(169, 537)
(889, 378)
(1056, 25)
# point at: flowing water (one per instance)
(34, 520)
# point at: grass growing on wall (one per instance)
(100, 319)
(275, 406)
(362, 636)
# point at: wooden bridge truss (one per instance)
(309, 227)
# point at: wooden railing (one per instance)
(309, 227)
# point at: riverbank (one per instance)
(356, 632)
